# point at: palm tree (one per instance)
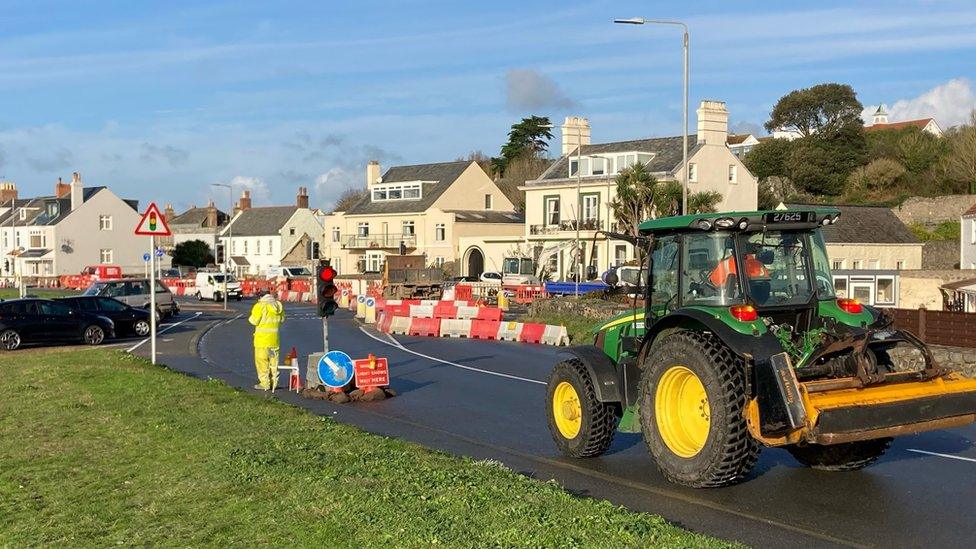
(635, 198)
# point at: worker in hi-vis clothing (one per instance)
(266, 316)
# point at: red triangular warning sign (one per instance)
(153, 223)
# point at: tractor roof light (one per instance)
(744, 313)
(704, 224)
(743, 223)
(825, 221)
(850, 305)
(724, 223)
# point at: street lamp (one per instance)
(684, 135)
(579, 206)
(230, 237)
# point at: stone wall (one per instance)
(957, 359)
(933, 210)
(596, 309)
(940, 254)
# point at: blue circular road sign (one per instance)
(335, 369)
(145, 256)
(159, 252)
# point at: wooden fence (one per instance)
(938, 327)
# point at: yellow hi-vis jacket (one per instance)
(266, 316)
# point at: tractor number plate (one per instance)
(789, 217)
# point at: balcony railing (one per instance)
(389, 240)
(585, 225)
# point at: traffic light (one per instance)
(326, 293)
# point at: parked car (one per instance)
(46, 321)
(170, 273)
(128, 320)
(491, 276)
(212, 286)
(135, 292)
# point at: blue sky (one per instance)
(160, 101)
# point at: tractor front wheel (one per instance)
(581, 425)
(692, 401)
(849, 456)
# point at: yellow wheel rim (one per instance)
(682, 412)
(566, 410)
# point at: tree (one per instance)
(768, 158)
(192, 253)
(879, 177)
(635, 198)
(530, 137)
(704, 202)
(519, 170)
(821, 109)
(810, 168)
(348, 199)
(960, 163)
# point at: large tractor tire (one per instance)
(849, 456)
(581, 425)
(692, 402)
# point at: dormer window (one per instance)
(611, 164)
(23, 214)
(397, 191)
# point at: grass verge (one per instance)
(580, 328)
(101, 448)
(11, 293)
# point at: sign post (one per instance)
(152, 224)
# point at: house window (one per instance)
(402, 191)
(552, 210)
(438, 261)
(23, 214)
(899, 265)
(408, 228)
(291, 232)
(270, 247)
(620, 254)
(488, 201)
(856, 264)
(362, 229)
(105, 255)
(837, 264)
(692, 172)
(440, 232)
(598, 166)
(972, 226)
(36, 239)
(245, 247)
(733, 169)
(840, 286)
(335, 234)
(233, 246)
(591, 207)
(257, 246)
(374, 262)
(885, 291)
(105, 223)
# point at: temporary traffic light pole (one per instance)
(325, 293)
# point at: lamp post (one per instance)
(684, 135)
(230, 237)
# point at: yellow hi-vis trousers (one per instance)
(266, 363)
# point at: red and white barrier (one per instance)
(455, 327)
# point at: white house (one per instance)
(967, 239)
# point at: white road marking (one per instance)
(449, 363)
(165, 328)
(228, 321)
(949, 456)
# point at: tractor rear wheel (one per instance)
(581, 425)
(849, 456)
(692, 402)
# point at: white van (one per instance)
(211, 286)
(289, 273)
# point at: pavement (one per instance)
(486, 399)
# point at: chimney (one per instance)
(713, 123)
(77, 196)
(8, 191)
(302, 198)
(168, 212)
(372, 172)
(211, 215)
(61, 189)
(244, 203)
(576, 131)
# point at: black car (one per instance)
(48, 321)
(128, 320)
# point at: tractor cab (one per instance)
(742, 343)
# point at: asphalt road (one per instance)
(486, 400)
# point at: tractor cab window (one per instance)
(710, 274)
(821, 267)
(664, 275)
(777, 267)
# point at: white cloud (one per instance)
(260, 193)
(529, 90)
(949, 103)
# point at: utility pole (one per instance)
(230, 237)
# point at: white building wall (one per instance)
(967, 243)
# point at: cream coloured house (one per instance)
(553, 211)
(422, 209)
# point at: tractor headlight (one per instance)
(724, 222)
(704, 224)
(743, 223)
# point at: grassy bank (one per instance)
(11, 293)
(101, 448)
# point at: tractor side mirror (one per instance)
(611, 278)
(765, 257)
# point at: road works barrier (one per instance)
(370, 316)
(383, 322)
(463, 291)
(469, 312)
(360, 306)
(446, 309)
(400, 325)
(422, 311)
(532, 332)
(489, 313)
(484, 329)
(425, 327)
(344, 298)
(510, 331)
(455, 327)
(555, 335)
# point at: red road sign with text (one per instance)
(372, 372)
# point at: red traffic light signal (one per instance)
(327, 273)
(326, 291)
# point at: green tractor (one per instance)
(742, 343)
